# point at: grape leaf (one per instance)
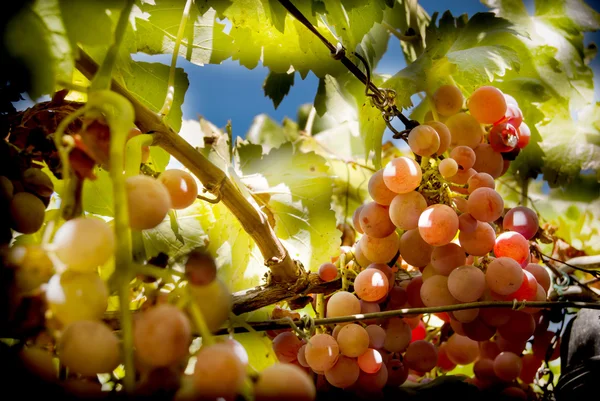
(571, 16)
(410, 20)
(478, 64)
(269, 134)
(87, 22)
(37, 37)
(97, 197)
(295, 188)
(277, 86)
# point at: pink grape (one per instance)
(444, 134)
(375, 220)
(488, 161)
(464, 130)
(504, 276)
(283, 381)
(397, 373)
(478, 330)
(541, 275)
(507, 366)
(513, 245)
(379, 192)
(421, 356)
(495, 317)
(513, 115)
(519, 327)
(286, 346)
(405, 210)
(385, 269)
(414, 250)
(434, 292)
(487, 104)
(447, 257)
(359, 256)
(182, 187)
(438, 224)
(423, 140)
(356, 219)
(369, 307)
(373, 382)
(448, 168)
(480, 180)
(462, 350)
(466, 283)
(328, 272)
(302, 357)
(522, 220)
(464, 156)
(371, 285)
(461, 204)
(376, 336)
(478, 242)
(342, 303)
(218, 372)
(397, 298)
(483, 369)
(370, 361)
(402, 175)
(485, 204)
(413, 292)
(488, 350)
(526, 292)
(380, 250)
(466, 315)
(467, 223)
(443, 362)
(344, 373)
(530, 365)
(397, 335)
(503, 137)
(448, 100)
(336, 331)
(322, 352)
(524, 135)
(353, 340)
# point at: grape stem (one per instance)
(198, 319)
(157, 272)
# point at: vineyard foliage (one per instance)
(309, 175)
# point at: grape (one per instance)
(371, 285)
(423, 140)
(507, 366)
(421, 356)
(344, 373)
(480, 180)
(218, 372)
(301, 357)
(443, 133)
(485, 204)
(7, 189)
(214, 301)
(448, 257)
(504, 276)
(405, 210)
(414, 250)
(27, 213)
(510, 346)
(386, 270)
(513, 245)
(37, 182)
(181, 186)
(448, 168)
(487, 104)
(541, 275)
(483, 369)
(478, 242)
(83, 244)
(448, 100)
(505, 166)
(353, 340)
(375, 220)
(88, 348)
(526, 292)
(541, 343)
(503, 137)
(513, 116)
(466, 315)
(397, 298)
(322, 352)
(434, 292)
(397, 373)
(200, 268)
(359, 256)
(38, 362)
(466, 283)
(286, 346)
(495, 317)
(336, 330)
(162, 335)
(488, 349)
(370, 361)
(522, 220)
(373, 382)
(402, 175)
(356, 219)
(380, 250)
(464, 156)
(529, 367)
(466, 223)
(397, 335)
(32, 266)
(457, 327)
(328, 272)
(462, 350)
(443, 362)
(413, 292)
(428, 272)
(461, 204)
(145, 149)
(284, 382)
(477, 330)
(519, 327)
(369, 307)
(464, 130)
(238, 349)
(379, 192)
(76, 296)
(524, 135)
(376, 336)
(488, 161)
(438, 224)
(145, 214)
(342, 303)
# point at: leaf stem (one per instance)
(168, 103)
(310, 121)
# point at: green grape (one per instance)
(84, 243)
(162, 335)
(7, 190)
(39, 362)
(182, 187)
(74, 296)
(37, 182)
(33, 266)
(464, 130)
(89, 348)
(448, 100)
(218, 372)
(215, 302)
(448, 167)
(27, 213)
(148, 202)
(283, 381)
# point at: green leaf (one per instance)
(148, 82)
(372, 126)
(97, 195)
(478, 64)
(37, 37)
(87, 22)
(277, 86)
(295, 191)
(267, 133)
(571, 16)
(204, 40)
(411, 20)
